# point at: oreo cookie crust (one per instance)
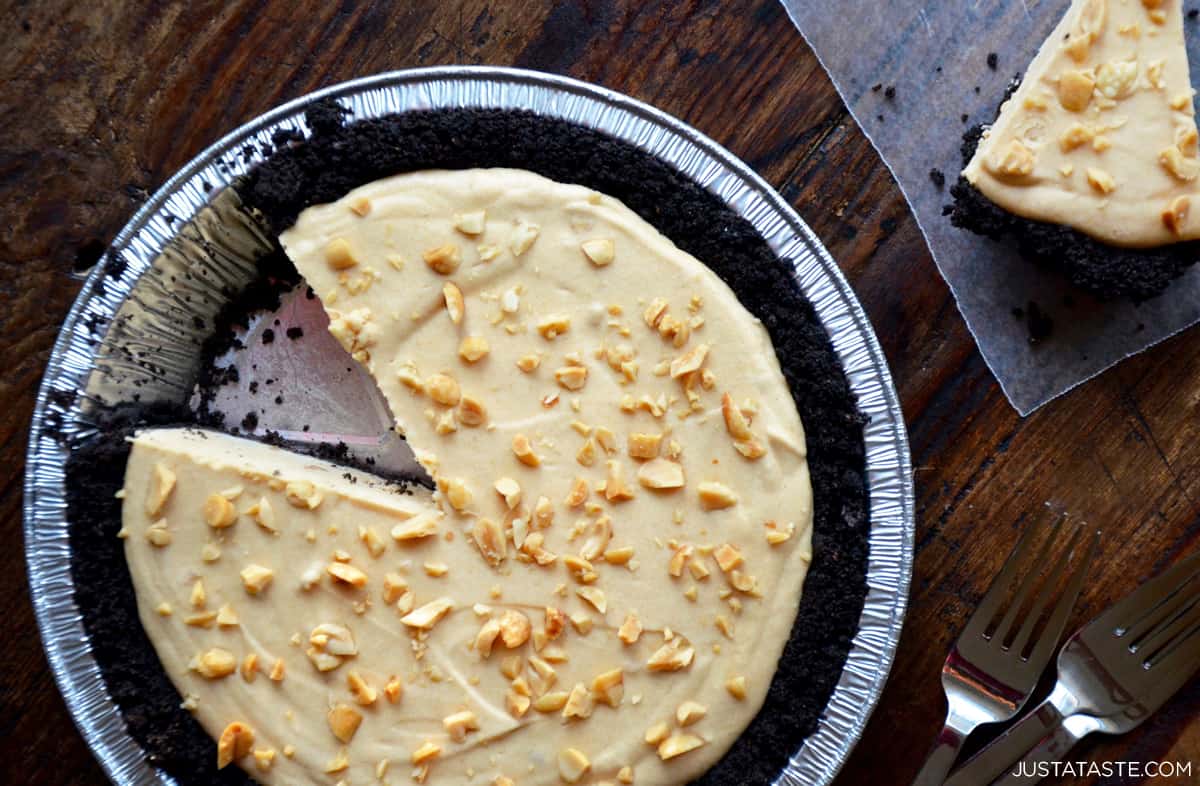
(1107, 272)
(340, 156)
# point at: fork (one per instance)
(989, 674)
(1112, 675)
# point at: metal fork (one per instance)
(990, 674)
(1112, 675)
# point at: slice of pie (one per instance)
(1091, 164)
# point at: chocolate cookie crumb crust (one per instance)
(1107, 272)
(340, 156)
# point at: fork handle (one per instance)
(1041, 727)
(945, 750)
(1052, 748)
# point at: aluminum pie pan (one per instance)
(188, 192)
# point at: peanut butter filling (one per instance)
(601, 586)
(1101, 136)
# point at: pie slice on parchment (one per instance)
(1091, 164)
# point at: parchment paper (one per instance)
(935, 56)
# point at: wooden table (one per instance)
(101, 101)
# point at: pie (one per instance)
(1091, 163)
(603, 584)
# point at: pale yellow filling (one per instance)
(1100, 136)
(613, 440)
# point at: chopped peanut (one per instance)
(674, 655)
(422, 525)
(444, 259)
(362, 691)
(219, 512)
(158, 535)
(471, 412)
(1175, 216)
(163, 483)
(444, 389)
(571, 377)
(715, 496)
(302, 494)
(594, 596)
(644, 446)
(690, 712)
(522, 237)
(235, 743)
(735, 421)
(215, 664)
(578, 494)
(580, 703)
(657, 733)
(486, 638)
(198, 597)
(631, 629)
(609, 687)
(555, 621)
(455, 305)
(427, 752)
(615, 488)
(255, 578)
(690, 361)
(779, 533)
(473, 349)
(572, 765)
(459, 724)
(523, 450)
(510, 490)
(472, 223)
(339, 255)
(553, 326)
(677, 745)
(347, 574)
(516, 704)
(601, 251)
(551, 702)
(490, 540)
(428, 615)
(515, 628)
(661, 474)
(227, 617)
(727, 557)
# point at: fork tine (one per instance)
(1046, 589)
(1032, 579)
(1177, 665)
(998, 591)
(1053, 630)
(1161, 639)
(1143, 634)
(1143, 601)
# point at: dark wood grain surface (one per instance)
(101, 101)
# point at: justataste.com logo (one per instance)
(1103, 769)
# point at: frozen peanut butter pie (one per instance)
(628, 560)
(603, 582)
(1092, 161)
